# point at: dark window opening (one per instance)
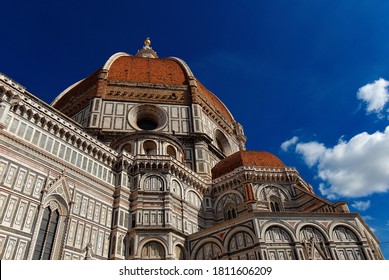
(46, 235)
(147, 123)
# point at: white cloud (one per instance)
(311, 152)
(361, 205)
(355, 168)
(376, 95)
(285, 146)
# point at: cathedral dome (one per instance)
(246, 158)
(143, 78)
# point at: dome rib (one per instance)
(112, 59)
(122, 69)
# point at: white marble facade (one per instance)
(129, 192)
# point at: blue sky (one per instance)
(308, 80)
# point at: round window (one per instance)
(147, 117)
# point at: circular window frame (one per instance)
(147, 112)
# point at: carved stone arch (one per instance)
(197, 197)
(314, 225)
(52, 204)
(279, 243)
(150, 240)
(176, 188)
(221, 200)
(222, 142)
(59, 203)
(179, 251)
(209, 242)
(281, 224)
(59, 187)
(264, 191)
(156, 177)
(345, 225)
(241, 229)
(171, 151)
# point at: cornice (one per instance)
(43, 115)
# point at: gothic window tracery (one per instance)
(209, 251)
(176, 188)
(153, 183)
(309, 232)
(228, 199)
(240, 240)
(275, 204)
(193, 199)
(348, 245)
(281, 246)
(274, 196)
(230, 212)
(153, 251)
(314, 243)
(46, 235)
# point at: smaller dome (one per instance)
(246, 158)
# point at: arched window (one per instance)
(348, 246)
(150, 147)
(176, 188)
(194, 199)
(153, 183)
(179, 253)
(208, 251)
(222, 143)
(280, 244)
(275, 204)
(153, 250)
(240, 241)
(128, 148)
(314, 243)
(171, 151)
(46, 235)
(230, 212)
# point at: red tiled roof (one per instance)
(149, 70)
(215, 102)
(124, 67)
(246, 158)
